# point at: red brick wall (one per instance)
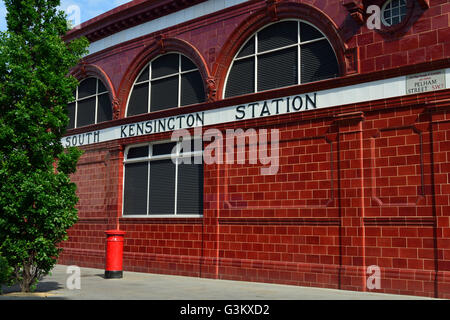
(358, 185)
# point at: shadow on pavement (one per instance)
(42, 287)
(43, 291)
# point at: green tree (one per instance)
(37, 198)
(5, 272)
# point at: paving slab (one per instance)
(146, 286)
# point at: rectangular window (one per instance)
(163, 179)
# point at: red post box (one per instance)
(114, 254)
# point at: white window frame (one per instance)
(256, 54)
(151, 158)
(149, 81)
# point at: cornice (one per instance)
(126, 16)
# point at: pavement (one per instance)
(145, 286)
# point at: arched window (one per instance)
(92, 104)
(282, 54)
(170, 81)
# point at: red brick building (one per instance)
(363, 117)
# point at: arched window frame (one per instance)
(179, 74)
(256, 54)
(96, 95)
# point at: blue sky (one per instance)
(88, 8)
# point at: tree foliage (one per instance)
(37, 198)
(5, 272)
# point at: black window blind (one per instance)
(241, 79)
(138, 103)
(162, 187)
(135, 189)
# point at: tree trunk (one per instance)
(27, 278)
(25, 286)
